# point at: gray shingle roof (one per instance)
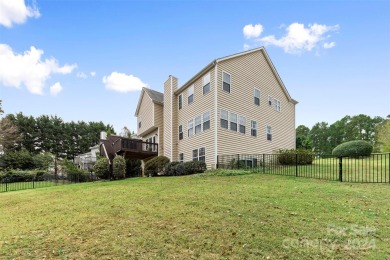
(156, 96)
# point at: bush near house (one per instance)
(290, 156)
(23, 176)
(133, 168)
(155, 165)
(187, 168)
(102, 168)
(118, 167)
(353, 149)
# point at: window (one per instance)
(233, 122)
(226, 82)
(180, 101)
(253, 128)
(190, 94)
(257, 97)
(270, 100)
(277, 105)
(180, 132)
(181, 157)
(202, 156)
(139, 122)
(242, 124)
(269, 133)
(206, 83)
(190, 128)
(199, 155)
(198, 124)
(224, 119)
(206, 121)
(195, 155)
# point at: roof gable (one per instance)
(155, 96)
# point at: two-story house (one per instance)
(235, 105)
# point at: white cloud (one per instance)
(246, 47)
(300, 38)
(93, 73)
(28, 68)
(328, 45)
(81, 75)
(16, 11)
(252, 31)
(123, 83)
(55, 89)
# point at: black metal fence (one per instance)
(46, 180)
(370, 169)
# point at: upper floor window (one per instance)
(180, 132)
(269, 133)
(226, 81)
(242, 124)
(198, 124)
(224, 119)
(139, 122)
(233, 122)
(190, 94)
(206, 83)
(206, 121)
(181, 157)
(270, 100)
(257, 97)
(277, 105)
(253, 128)
(190, 128)
(181, 101)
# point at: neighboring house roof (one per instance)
(212, 64)
(155, 96)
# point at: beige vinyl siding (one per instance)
(146, 114)
(201, 104)
(159, 122)
(174, 126)
(167, 118)
(248, 72)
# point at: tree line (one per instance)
(323, 138)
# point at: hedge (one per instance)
(21, 176)
(155, 166)
(353, 149)
(187, 168)
(295, 156)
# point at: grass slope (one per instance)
(207, 217)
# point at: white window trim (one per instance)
(270, 99)
(201, 124)
(230, 82)
(198, 153)
(193, 94)
(254, 95)
(179, 157)
(206, 121)
(188, 128)
(178, 98)
(220, 117)
(266, 133)
(203, 84)
(254, 128)
(180, 132)
(275, 105)
(239, 124)
(237, 119)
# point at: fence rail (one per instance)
(46, 180)
(371, 169)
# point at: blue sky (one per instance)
(87, 60)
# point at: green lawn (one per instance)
(207, 217)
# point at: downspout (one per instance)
(216, 114)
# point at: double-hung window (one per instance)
(226, 81)
(190, 94)
(257, 97)
(270, 100)
(202, 155)
(206, 121)
(180, 132)
(181, 157)
(139, 122)
(195, 155)
(277, 105)
(224, 119)
(190, 128)
(269, 133)
(242, 124)
(206, 83)
(198, 124)
(181, 101)
(253, 128)
(233, 122)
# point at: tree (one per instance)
(118, 167)
(1, 110)
(302, 137)
(319, 135)
(9, 134)
(382, 143)
(102, 168)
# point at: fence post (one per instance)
(341, 169)
(389, 168)
(6, 186)
(217, 165)
(263, 163)
(296, 165)
(238, 161)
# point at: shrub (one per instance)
(73, 173)
(155, 165)
(236, 164)
(353, 149)
(17, 176)
(170, 169)
(118, 167)
(289, 157)
(192, 167)
(102, 168)
(133, 168)
(22, 160)
(43, 161)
